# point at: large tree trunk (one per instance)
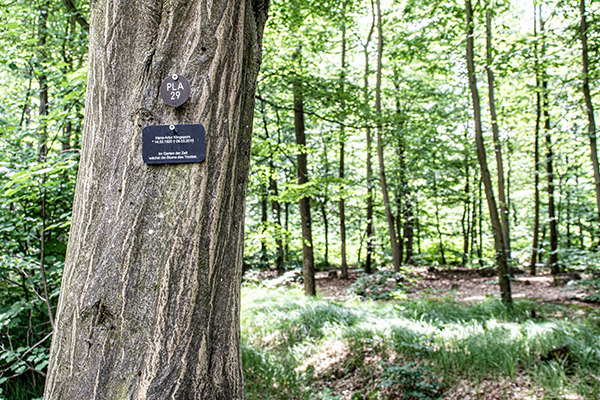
(384, 190)
(496, 135)
(150, 298)
(485, 173)
(308, 263)
(589, 106)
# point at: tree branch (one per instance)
(76, 15)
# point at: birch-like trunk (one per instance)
(150, 298)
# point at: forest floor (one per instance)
(449, 326)
(464, 285)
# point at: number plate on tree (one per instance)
(175, 90)
(173, 144)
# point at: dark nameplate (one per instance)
(174, 144)
(175, 90)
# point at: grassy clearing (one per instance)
(300, 348)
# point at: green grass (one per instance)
(22, 389)
(282, 329)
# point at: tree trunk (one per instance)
(550, 178)
(43, 80)
(342, 204)
(554, 267)
(437, 220)
(589, 106)
(150, 297)
(326, 229)
(464, 222)
(273, 193)
(485, 173)
(308, 263)
(384, 190)
(264, 201)
(496, 135)
(276, 209)
(369, 177)
(536, 155)
(480, 224)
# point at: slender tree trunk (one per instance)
(287, 229)
(418, 225)
(43, 80)
(326, 228)
(308, 263)
(464, 222)
(276, 210)
(536, 154)
(409, 231)
(499, 246)
(579, 224)
(554, 267)
(496, 135)
(473, 227)
(43, 147)
(437, 220)
(342, 174)
(402, 191)
(273, 193)
(568, 198)
(369, 231)
(480, 224)
(589, 106)
(384, 190)
(150, 298)
(264, 205)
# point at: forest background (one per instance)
(321, 141)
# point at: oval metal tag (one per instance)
(175, 90)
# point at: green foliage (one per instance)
(416, 381)
(382, 284)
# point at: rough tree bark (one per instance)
(384, 190)
(485, 173)
(308, 263)
(150, 298)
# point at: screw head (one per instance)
(172, 127)
(175, 77)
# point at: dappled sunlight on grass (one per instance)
(309, 338)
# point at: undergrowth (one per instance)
(300, 348)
